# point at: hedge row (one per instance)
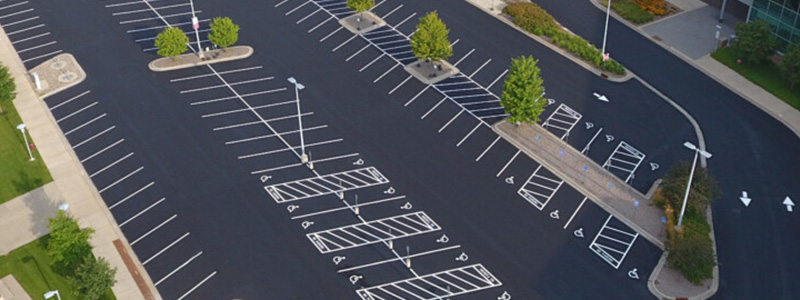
(534, 19)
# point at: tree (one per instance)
(93, 278)
(790, 65)
(360, 6)
(172, 42)
(8, 88)
(523, 93)
(755, 41)
(68, 245)
(703, 191)
(223, 32)
(429, 41)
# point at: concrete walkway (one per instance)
(70, 185)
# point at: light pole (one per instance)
(196, 26)
(50, 294)
(722, 10)
(697, 152)
(21, 127)
(492, 7)
(605, 31)
(297, 87)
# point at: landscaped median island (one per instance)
(641, 11)
(173, 42)
(18, 174)
(690, 248)
(534, 19)
(63, 261)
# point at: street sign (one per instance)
(789, 204)
(745, 200)
(195, 23)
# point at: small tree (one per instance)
(8, 88)
(790, 65)
(360, 6)
(68, 245)
(93, 278)
(755, 41)
(429, 41)
(172, 42)
(223, 32)
(523, 93)
(703, 191)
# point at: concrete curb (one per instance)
(191, 60)
(77, 67)
(498, 15)
(763, 106)
(417, 72)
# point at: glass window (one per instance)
(784, 31)
(788, 17)
(775, 10)
(794, 5)
(760, 4)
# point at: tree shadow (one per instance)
(25, 183)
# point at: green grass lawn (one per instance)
(18, 175)
(767, 76)
(30, 265)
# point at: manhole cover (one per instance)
(67, 77)
(58, 65)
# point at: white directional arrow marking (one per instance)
(600, 97)
(746, 200)
(788, 202)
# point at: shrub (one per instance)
(755, 42)
(790, 65)
(692, 253)
(704, 188)
(531, 17)
(68, 245)
(93, 278)
(655, 7)
(631, 12)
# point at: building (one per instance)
(782, 15)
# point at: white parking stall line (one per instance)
(132, 194)
(343, 43)
(85, 124)
(624, 150)
(451, 120)
(463, 58)
(156, 18)
(165, 248)
(198, 285)
(482, 102)
(315, 161)
(191, 40)
(358, 52)
(111, 165)
(178, 268)
(611, 239)
(26, 29)
(129, 3)
(148, 10)
(308, 145)
(30, 38)
(367, 177)
(247, 109)
(497, 79)
(479, 68)
(589, 144)
(330, 34)
(237, 97)
(539, 189)
(120, 180)
(468, 134)
(372, 232)
(188, 33)
(14, 5)
(487, 149)
(221, 73)
(376, 5)
(399, 85)
(372, 62)
(20, 22)
(384, 73)
(16, 13)
(69, 100)
(42, 56)
(350, 208)
(141, 212)
(225, 85)
(261, 137)
(508, 163)
(479, 279)
(102, 150)
(281, 3)
(320, 24)
(417, 95)
(296, 8)
(308, 16)
(92, 137)
(261, 122)
(76, 112)
(153, 230)
(404, 20)
(391, 12)
(563, 118)
(164, 26)
(575, 212)
(401, 259)
(433, 108)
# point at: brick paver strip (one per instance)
(131, 266)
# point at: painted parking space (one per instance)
(28, 32)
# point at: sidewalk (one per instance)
(70, 185)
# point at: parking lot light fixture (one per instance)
(697, 152)
(196, 26)
(50, 294)
(297, 87)
(21, 127)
